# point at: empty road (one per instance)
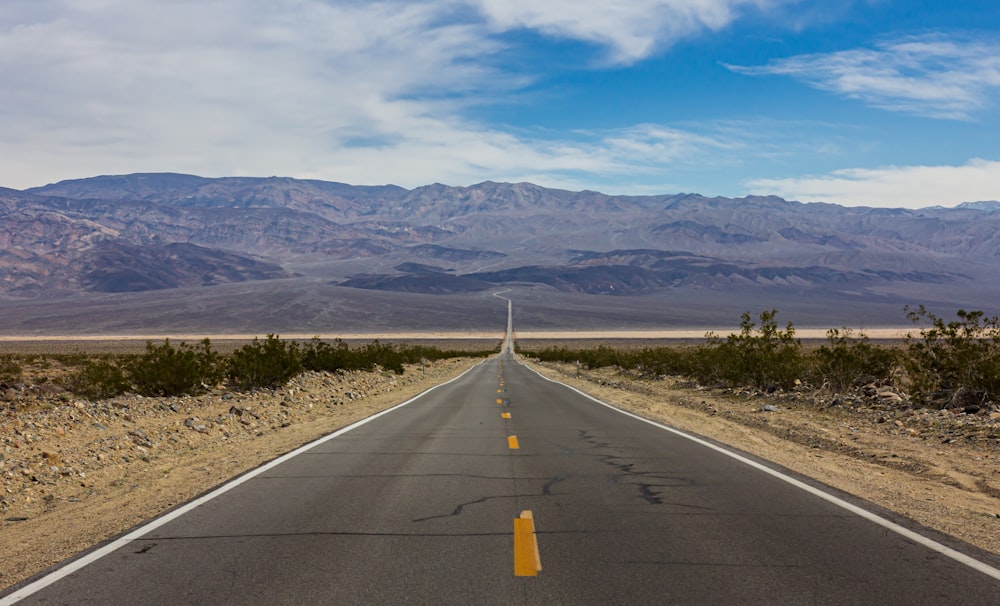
(420, 506)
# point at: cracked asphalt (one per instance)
(416, 507)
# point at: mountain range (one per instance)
(99, 254)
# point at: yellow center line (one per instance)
(527, 560)
(512, 443)
(504, 415)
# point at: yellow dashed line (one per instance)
(504, 415)
(512, 443)
(527, 560)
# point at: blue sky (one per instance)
(892, 103)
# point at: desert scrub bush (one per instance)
(376, 354)
(416, 354)
(659, 361)
(268, 363)
(952, 359)
(849, 358)
(70, 360)
(648, 361)
(165, 370)
(762, 357)
(318, 355)
(595, 357)
(10, 369)
(554, 354)
(103, 377)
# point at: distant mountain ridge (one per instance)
(990, 206)
(161, 231)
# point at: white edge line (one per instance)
(958, 556)
(120, 542)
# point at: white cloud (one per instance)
(219, 86)
(929, 75)
(893, 186)
(630, 29)
(366, 92)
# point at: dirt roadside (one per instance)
(76, 473)
(935, 468)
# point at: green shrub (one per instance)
(318, 355)
(382, 355)
(555, 354)
(659, 361)
(268, 363)
(764, 357)
(76, 358)
(165, 370)
(948, 358)
(848, 359)
(708, 362)
(100, 378)
(10, 370)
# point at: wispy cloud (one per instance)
(893, 186)
(928, 75)
(629, 29)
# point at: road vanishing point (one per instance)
(503, 487)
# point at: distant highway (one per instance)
(502, 487)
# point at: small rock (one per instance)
(195, 425)
(771, 408)
(887, 395)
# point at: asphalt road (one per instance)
(418, 506)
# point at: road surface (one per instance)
(422, 505)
